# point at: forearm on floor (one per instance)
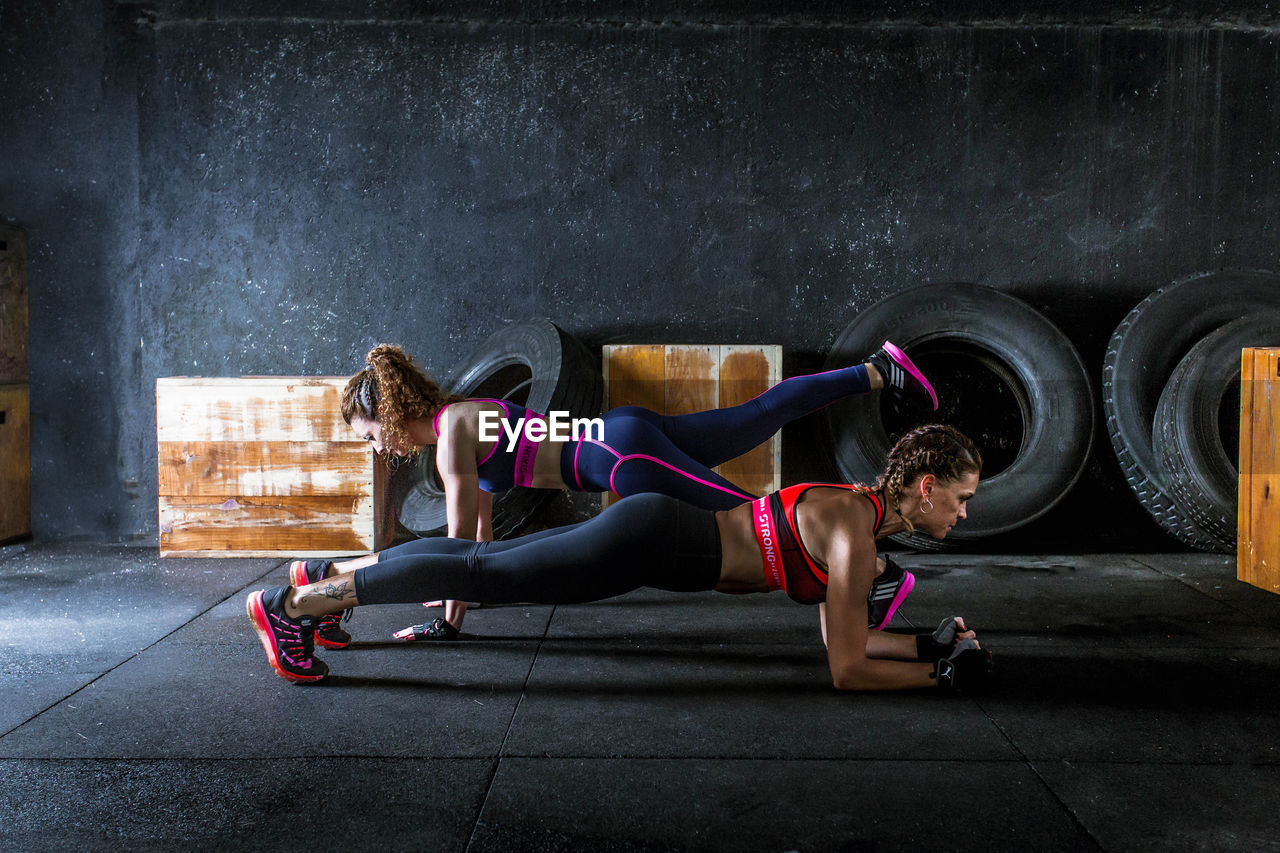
(874, 674)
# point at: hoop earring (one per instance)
(924, 511)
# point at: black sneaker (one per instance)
(887, 594)
(437, 630)
(329, 633)
(288, 642)
(901, 376)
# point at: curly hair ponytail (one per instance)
(392, 390)
(936, 449)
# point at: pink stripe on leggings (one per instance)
(614, 474)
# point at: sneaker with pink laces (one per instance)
(289, 643)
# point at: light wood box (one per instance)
(15, 393)
(15, 461)
(1258, 540)
(679, 379)
(13, 305)
(262, 466)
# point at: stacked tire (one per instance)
(1171, 373)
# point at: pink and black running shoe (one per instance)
(289, 642)
(887, 594)
(901, 376)
(329, 633)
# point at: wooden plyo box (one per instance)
(15, 393)
(679, 379)
(13, 305)
(261, 466)
(15, 461)
(1258, 539)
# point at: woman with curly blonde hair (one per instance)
(814, 541)
(396, 406)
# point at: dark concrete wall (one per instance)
(236, 188)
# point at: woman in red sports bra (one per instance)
(815, 541)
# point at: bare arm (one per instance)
(468, 508)
(822, 610)
(889, 645)
(456, 462)
(858, 660)
(484, 517)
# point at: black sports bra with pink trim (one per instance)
(503, 468)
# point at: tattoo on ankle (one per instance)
(339, 591)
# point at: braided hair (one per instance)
(936, 449)
(392, 390)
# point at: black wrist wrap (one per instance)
(946, 675)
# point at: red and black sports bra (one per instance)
(788, 566)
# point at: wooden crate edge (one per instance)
(263, 554)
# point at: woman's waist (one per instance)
(743, 567)
(538, 463)
(522, 462)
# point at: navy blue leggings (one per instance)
(673, 455)
(643, 541)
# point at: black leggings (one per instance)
(645, 540)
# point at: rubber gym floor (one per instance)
(1137, 708)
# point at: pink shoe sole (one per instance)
(908, 584)
(909, 366)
